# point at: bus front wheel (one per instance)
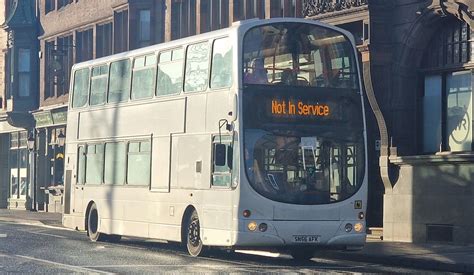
(193, 237)
(93, 225)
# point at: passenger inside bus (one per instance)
(288, 77)
(257, 73)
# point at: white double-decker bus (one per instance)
(247, 137)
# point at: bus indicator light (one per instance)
(361, 215)
(252, 226)
(263, 227)
(358, 227)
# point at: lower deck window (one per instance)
(139, 160)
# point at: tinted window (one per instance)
(119, 88)
(221, 75)
(170, 72)
(99, 84)
(143, 79)
(81, 88)
(197, 67)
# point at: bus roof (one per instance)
(238, 25)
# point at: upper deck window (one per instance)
(99, 84)
(170, 72)
(119, 87)
(143, 79)
(299, 55)
(81, 88)
(197, 67)
(221, 74)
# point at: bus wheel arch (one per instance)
(190, 232)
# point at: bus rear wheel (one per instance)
(193, 237)
(93, 225)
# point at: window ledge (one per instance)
(441, 158)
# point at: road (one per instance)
(44, 249)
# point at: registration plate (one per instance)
(306, 238)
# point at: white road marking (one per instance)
(46, 234)
(3, 235)
(65, 266)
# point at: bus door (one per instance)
(78, 189)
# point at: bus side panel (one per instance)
(160, 172)
(165, 117)
(191, 161)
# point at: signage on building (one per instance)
(60, 117)
(43, 119)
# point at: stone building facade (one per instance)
(416, 58)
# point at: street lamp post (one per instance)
(31, 144)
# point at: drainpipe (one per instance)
(385, 149)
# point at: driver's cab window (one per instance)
(222, 161)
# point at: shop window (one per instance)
(104, 40)
(170, 72)
(143, 77)
(183, 18)
(448, 99)
(115, 163)
(99, 85)
(18, 164)
(138, 163)
(121, 31)
(197, 67)
(119, 87)
(221, 73)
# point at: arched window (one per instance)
(447, 101)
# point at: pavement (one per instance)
(433, 256)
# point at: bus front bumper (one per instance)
(300, 233)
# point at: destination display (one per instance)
(294, 109)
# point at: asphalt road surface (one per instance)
(43, 249)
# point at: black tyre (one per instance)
(93, 225)
(302, 254)
(193, 235)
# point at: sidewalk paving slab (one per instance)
(440, 257)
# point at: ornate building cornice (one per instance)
(318, 7)
(462, 9)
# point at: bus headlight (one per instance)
(348, 227)
(358, 227)
(252, 226)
